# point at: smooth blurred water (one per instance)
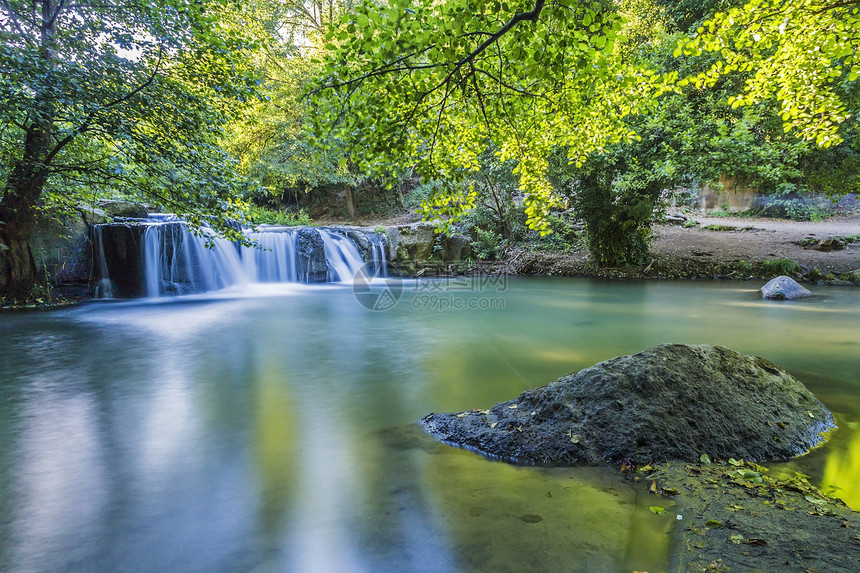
(270, 429)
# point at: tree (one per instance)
(802, 53)
(126, 94)
(430, 83)
(270, 140)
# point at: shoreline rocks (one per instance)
(671, 402)
(783, 288)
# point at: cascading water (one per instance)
(158, 256)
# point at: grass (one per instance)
(777, 267)
(716, 227)
(264, 216)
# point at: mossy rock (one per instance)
(671, 402)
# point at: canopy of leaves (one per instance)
(803, 53)
(432, 83)
(269, 137)
(132, 94)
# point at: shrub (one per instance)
(264, 216)
(776, 267)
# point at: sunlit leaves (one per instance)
(797, 52)
(428, 84)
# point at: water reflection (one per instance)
(272, 432)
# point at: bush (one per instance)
(487, 244)
(777, 267)
(263, 216)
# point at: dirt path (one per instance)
(724, 247)
(757, 240)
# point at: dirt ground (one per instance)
(757, 240)
(736, 251)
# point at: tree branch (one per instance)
(531, 16)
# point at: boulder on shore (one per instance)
(783, 288)
(671, 402)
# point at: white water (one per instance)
(343, 261)
(175, 261)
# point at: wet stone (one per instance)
(671, 402)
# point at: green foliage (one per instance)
(487, 244)
(781, 266)
(436, 87)
(802, 53)
(548, 85)
(129, 96)
(794, 208)
(261, 215)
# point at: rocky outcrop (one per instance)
(416, 244)
(670, 402)
(310, 259)
(413, 242)
(833, 243)
(127, 209)
(783, 288)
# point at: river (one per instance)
(269, 428)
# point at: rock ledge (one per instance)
(671, 402)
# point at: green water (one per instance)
(270, 430)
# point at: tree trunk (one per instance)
(350, 202)
(20, 270)
(18, 215)
(23, 188)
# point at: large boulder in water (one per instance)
(783, 288)
(671, 402)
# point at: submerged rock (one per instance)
(672, 401)
(783, 288)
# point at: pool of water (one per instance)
(270, 429)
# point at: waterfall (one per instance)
(159, 256)
(343, 261)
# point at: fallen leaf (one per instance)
(653, 488)
(513, 406)
(494, 424)
(811, 499)
(705, 459)
(735, 462)
(657, 509)
(736, 538)
(713, 523)
(755, 541)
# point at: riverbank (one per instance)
(710, 248)
(735, 517)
